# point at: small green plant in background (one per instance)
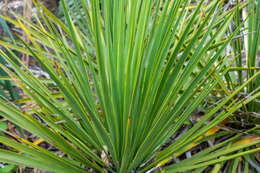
(5, 84)
(115, 98)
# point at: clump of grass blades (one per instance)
(245, 50)
(126, 98)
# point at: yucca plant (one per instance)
(112, 109)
